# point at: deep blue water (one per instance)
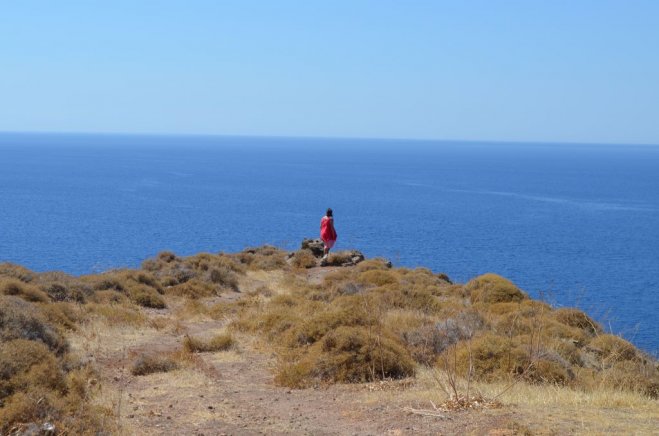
(577, 225)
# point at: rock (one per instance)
(316, 246)
(47, 429)
(343, 258)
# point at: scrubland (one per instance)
(260, 341)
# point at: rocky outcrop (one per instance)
(316, 246)
(343, 258)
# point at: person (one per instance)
(327, 231)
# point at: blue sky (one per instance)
(565, 71)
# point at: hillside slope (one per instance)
(260, 342)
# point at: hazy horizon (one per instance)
(563, 72)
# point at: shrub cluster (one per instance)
(38, 378)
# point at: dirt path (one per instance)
(232, 392)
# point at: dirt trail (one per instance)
(232, 393)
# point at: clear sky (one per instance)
(554, 70)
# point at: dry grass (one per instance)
(304, 259)
(221, 342)
(149, 364)
(358, 324)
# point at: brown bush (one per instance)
(430, 339)
(21, 320)
(11, 270)
(492, 288)
(194, 289)
(576, 318)
(150, 364)
(303, 259)
(377, 277)
(266, 258)
(369, 264)
(394, 296)
(348, 355)
(492, 357)
(145, 296)
(224, 277)
(339, 258)
(346, 311)
(24, 290)
(62, 314)
(220, 342)
(613, 348)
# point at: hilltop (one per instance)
(269, 342)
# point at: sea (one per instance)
(575, 225)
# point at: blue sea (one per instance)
(576, 225)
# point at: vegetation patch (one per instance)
(221, 342)
(147, 364)
(492, 288)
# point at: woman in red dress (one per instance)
(327, 232)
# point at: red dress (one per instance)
(327, 232)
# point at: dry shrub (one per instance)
(394, 296)
(21, 273)
(430, 339)
(576, 318)
(36, 386)
(150, 364)
(25, 364)
(221, 342)
(348, 355)
(62, 314)
(109, 297)
(370, 264)
(492, 288)
(21, 320)
(339, 258)
(192, 289)
(224, 277)
(266, 258)
(550, 371)
(492, 357)
(166, 256)
(304, 259)
(116, 314)
(377, 277)
(146, 296)
(632, 376)
(613, 348)
(346, 311)
(26, 291)
(63, 287)
(263, 291)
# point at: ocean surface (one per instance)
(575, 225)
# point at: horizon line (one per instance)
(338, 137)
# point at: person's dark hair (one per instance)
(329, 211)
